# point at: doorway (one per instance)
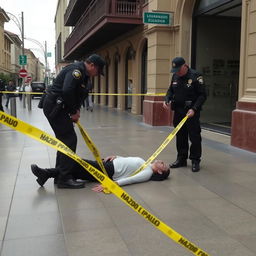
(216, 54)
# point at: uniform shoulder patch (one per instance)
(200, 80)
(76, 74)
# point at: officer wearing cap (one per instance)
(61, 105)
(186, 94)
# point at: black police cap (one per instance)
(97, 61)
(176, 64)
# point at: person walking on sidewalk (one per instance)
(119, 169)
(11, 87)
(61, 105)
(187, 95)
(2, 88)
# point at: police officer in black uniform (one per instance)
(186, 95)
(61, 105)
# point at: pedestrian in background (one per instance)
(186, 95)
(61, 106)
(88, 99)
(2, 88)
(11, 87)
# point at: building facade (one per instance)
(15, 53)
(218, 38)
(5, 45)
(61, 34)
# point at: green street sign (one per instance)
(49, 54)
(158, 18)
(23, 60)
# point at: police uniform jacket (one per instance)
(186, 91)
(71, 86)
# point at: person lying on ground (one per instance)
(120, 169)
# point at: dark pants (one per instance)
(63, 128)
(190, 130)
(80, 173)
(1, 106)
(8, 96)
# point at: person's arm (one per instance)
(73, 79)
(168, 97)
(142, 176)
(109, 158)
(201, 92)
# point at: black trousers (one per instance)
(80, 173)
(63, 128)
(190, 130)
(1, 106)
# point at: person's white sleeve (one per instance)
(142, 176)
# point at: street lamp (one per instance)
(44, 50)
(20, 25)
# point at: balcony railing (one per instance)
(96, 12)
(74, 9)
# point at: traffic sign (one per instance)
(23, 60)
(159, 18)
(23, 73)
(29, 79)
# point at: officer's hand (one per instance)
(109, 158)
(75, 117)
(166, 105)
(190, 113)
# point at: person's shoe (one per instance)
(179, 163)
(70, 183)
(41, 174)
(195, 166)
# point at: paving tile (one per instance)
(86, 219)
(23, 226)
(52, 245)
(97, 242)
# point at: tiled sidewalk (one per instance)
(215, 208)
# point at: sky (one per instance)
(38, 24)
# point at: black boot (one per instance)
(179, 163)
(43, 174)
(70, 183)
(195, 166)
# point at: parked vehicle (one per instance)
(37, 87)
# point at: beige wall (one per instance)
(6, 63)
(60, 29)
(3, 18)
(32, 65)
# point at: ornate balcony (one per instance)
(74, 11)
(102, 21)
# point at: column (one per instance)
(244, 116)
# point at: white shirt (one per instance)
(126, 166)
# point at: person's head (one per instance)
(11, 82)
(95, 65)
(160, 170)
(179, 66)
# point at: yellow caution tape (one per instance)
(94, 151)
(17, 92)
(129, 94)
(47, 139)
(162, 146)
(110, 94)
